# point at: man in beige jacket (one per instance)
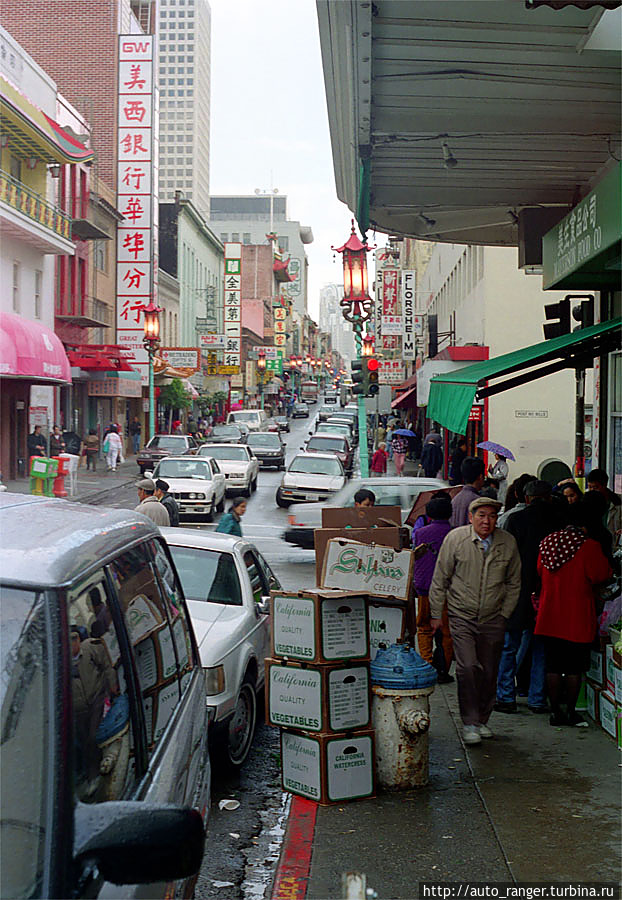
(477, 575)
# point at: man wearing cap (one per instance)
(149, 504)
(529, 526)
(167, 500)
(478, 575)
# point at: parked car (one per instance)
(227, 583)
(226, 434)
(255, 419)
(331, 396)
(345, 425)
(197, 485)
(162, 445)
(282, 422)
(332, 443)
(268, 448)
(104, 752)
(310, 477)
(237, 463)
(300, 411)
(389, 491)
(324, 412)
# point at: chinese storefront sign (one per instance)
(391, 325)
(408, 315)
(391, 371)
(389, 292)
(233, 309)
(293, 288)
(476, 413)
(136, 193)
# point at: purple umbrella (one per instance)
(497, 448)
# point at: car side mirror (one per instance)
(262, 607)
(139, 843)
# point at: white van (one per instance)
(254, 419)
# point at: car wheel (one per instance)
(254, 484)
(221, 505)
(242, 725)
(284, 504)
(209, 515)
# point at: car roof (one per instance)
(325, 434)
(224, 444)
(186, 458)
(203, 540)
(45, 542)
(169, 435)
(315, 455)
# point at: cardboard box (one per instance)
(617, 689)
(391, 536)
(596, 671)
(619, 725)
(610, 670)
(591, 696)
(387, 622)
(607, 713)
(320, 626)
(324, 699)
(360, 516)
(373, 569)
(329, 768)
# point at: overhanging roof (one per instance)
(529, 111)
(452, 394)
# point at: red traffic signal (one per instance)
(372, 364)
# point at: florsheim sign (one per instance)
(583, 250)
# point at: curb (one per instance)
(291, 879)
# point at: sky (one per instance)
(269, 125)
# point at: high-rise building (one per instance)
(332, 321)
(184, 79)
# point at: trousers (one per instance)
(425, 635)
(515, 647)
(477, 650)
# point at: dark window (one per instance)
(259, 582)
(207, 575)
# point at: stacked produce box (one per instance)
(603, 689)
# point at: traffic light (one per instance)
(359, 373)
(584, 312)
(561, 312)
(373, 367)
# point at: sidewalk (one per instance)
(534, 803)
(90, 485)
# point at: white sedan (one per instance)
(197, 485)
(227, 584)
(238, 464)
(311, 477)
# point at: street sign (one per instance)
(180, 357)
(270, 352)
(227, 370)
(211, 341)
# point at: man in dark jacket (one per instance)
(431, 458)
(36, 443)
(167, 500)
(473, 476)
(529, 526)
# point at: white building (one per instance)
(490, 303)
(185, 85)
(332, 321)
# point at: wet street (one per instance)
(243, 845)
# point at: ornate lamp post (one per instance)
(261, 368)
(151, 342)
(368, 346)
(356, 307)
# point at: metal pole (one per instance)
(580, 427)
(151, 396)
(363, 451)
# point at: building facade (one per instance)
(331, 320)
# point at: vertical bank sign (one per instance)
(233, 305)
(408, 315)
(137, 184)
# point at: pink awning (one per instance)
(31, 351)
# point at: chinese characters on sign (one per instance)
(391, 371)
(391, 325)
(408, 315)
(233, 309)
(136, 199)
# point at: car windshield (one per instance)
(326, 443)
(264, 439)
(244, 417)
(167, 442)
(226, 431)
(336, 429)
(316, 466)
(184, 468)
(24, 695)
(281, 420)
(208, 575)
(237, 453)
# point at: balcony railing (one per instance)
(93, 313)
(26, 201)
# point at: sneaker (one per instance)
(471, 734)
(505, 707)
(576, 720)
(484, 731)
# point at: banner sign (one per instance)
(391, 371)
(389, 292)
(409, 347)
(137, 197)
(233, 308)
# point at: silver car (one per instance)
(310, 477)
(227, 583)
(389, 491)
(238, 464)
(104, 751)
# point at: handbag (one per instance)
(106, 446)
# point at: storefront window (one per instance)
(615, 394)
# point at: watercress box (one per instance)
(318, 699)
(319, 626)
(329, 768)
(368, 568)
(387, 622)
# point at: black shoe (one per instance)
(505, 707)
(576, 720)
(445, 679)
(538, 709)
(558, 718)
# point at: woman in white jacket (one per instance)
(114, 453)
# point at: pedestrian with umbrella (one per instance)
(399, 446)
(500, 470)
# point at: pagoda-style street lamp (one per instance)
(368, 346)
(356, 303)
(151, 342)
(261, 369)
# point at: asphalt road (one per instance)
(243, 845)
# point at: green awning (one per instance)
(452, 394)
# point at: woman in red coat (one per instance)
(379, 460)
(570, 565)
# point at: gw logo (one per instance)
(135, 46)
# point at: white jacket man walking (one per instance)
(477, 575)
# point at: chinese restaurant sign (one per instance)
(233, 309)
(136, 187)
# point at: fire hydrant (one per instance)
(401, 686)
